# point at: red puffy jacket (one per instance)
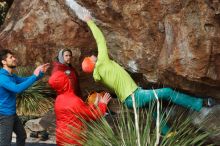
(57, 66)
(69, 108)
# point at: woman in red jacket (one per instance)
(70, 109)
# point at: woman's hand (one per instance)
(106, 98)
(97, 99)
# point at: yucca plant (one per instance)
(37, 99)
(123, 131)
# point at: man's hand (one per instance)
(81, 12)
(86, 15)
(42, 68)
(105, 99)
(45, 67)
(87, 18)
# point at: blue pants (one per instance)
(144, 97)
(8, 124)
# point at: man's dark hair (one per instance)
(3, 55)
(67, 50)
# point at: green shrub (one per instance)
(123, 130)
(37, 99)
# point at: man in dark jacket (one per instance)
(10, 85)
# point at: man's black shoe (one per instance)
(44, 135)
(34, 134)
(209, 102)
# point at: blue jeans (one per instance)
(144, 97)
(8, 124)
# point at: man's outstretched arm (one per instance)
(100, 39)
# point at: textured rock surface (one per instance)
(34, 125)
(38, 29)
(48, 122)
(171, 42)
(174, 43)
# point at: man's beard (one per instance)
(12, 66)
(68, 63)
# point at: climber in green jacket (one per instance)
(112, 75)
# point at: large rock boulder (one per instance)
(37, 30)
(169, 42)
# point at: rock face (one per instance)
(170, 42)
(36, 30)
